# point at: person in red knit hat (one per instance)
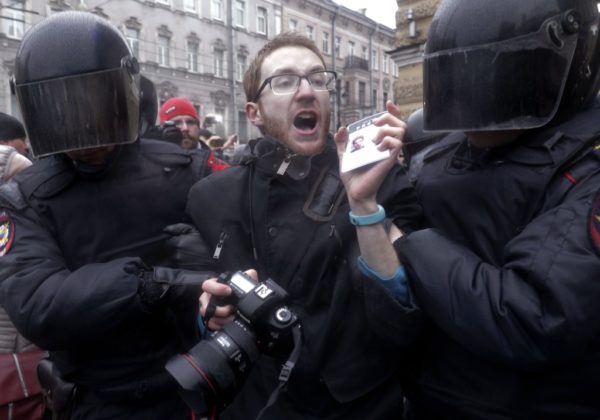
(185, 116)
(183, 113)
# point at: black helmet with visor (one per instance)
(511, 64)
(77, 84)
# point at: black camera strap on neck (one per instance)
(286, 369)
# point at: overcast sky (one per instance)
(383, 11)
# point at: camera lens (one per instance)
(213, 371)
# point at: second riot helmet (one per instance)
(511, 64)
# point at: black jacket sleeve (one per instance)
(55, 307)
(540, 305)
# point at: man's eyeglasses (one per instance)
(188, 122)
(286, 84)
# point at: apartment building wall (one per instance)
(413, 19)
(200, 49)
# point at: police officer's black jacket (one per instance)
(510, 274)
(294, 228)
(65, 279)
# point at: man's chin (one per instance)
(307, 147)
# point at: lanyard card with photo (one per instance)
(361, 150)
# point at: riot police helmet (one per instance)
(77, 84)
(416, 138)
(509, 65)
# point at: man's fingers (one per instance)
(341, 138)
(393, 109)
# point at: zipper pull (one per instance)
(220, 244)
(284, 165)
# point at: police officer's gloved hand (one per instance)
(187, 249)
(167, 287)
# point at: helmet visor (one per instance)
(513, 84)
(80, 112)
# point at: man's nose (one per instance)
(305, 87)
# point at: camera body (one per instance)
(213, 371)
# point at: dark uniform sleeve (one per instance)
(55, 307)
(540, 305)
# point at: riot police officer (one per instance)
(80, 269)
(508, 269)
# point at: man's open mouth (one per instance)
(305, 121)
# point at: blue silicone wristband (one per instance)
(368, 219)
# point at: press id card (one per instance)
(361, 150)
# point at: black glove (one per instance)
(168, 287)
(187, 249)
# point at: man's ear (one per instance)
(253, 114)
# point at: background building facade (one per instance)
(413, 19)
(201, 48)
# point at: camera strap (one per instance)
(286, 369)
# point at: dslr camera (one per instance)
(212, 372)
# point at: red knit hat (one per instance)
(175, 107)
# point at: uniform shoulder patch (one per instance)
(594, 223)
(7, 233)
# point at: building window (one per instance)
(310, 32)
(293, 25)
(326, 43)
(216, 9)
(133, 39)
(386, 64)
(192, 56)
(385, 99)
(242, 65)
(374, 60)
(190, 5)
(374, 98)
(278, 21)
(164, 46)
(13, 19)
(219, 63)
(240, 13)
(365, 53)
(395, 70)
(351, 48)
(362, 93)
(261, 20)
(338, 48)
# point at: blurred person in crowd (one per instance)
(205, 134)
(183, 114)
(223, 149)
(12, 133)
(508, 266)
(21, 397)
(285, 212)
(82, 274)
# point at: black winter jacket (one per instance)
(294, 228)
(510, 275)
(67, 279)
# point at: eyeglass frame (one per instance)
(267, 81)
